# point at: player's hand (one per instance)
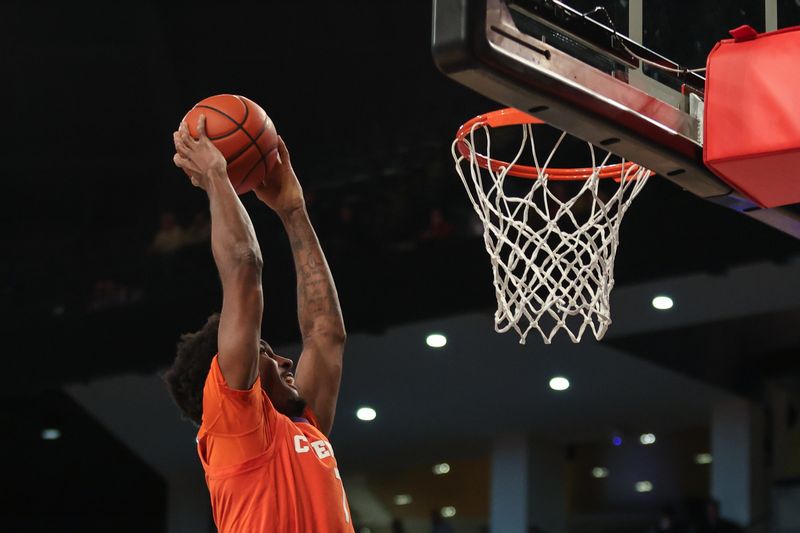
(199, 159)
(280, 189)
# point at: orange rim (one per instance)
(514, 117)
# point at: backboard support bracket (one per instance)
(478, 44)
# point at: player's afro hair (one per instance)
(186, 377)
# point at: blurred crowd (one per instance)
(703, 517)
(708, 520)
(112, 267)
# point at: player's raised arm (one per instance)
(236, 253)
(319, 369)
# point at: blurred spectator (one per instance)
(169, 237)
(713, 523)
(346, 218)
(438, 524)
(667, 522)
(475, 226)
(345, 234)
(200, 229)
(397, 526)
(107, 294)
(438, 228)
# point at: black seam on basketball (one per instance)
(234, 130)
(260, 159)
(235, 156)
(246, 109)
(263, 159)
(245, 118)
(239, 126)
(247, 175)
(224, 136)
(224, 114)
(263, 155)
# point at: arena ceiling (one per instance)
(91, 104)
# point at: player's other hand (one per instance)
(199, 159)
(280, 189)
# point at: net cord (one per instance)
(547, 273)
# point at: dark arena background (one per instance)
(106, 261)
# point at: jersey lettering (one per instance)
(298, 447)
(321, 449)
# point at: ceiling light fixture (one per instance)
(441, 468)
(366, 414)
(702, 459)
(559, 383)
(51, 434)
(662, 303)
(647, 439)
(435, 340)
(402, 499)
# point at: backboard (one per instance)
(571, 65)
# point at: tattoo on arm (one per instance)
(317, 300)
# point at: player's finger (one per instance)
(181, 144)
(283, 153)
(185, 136)
(185, 154)
(177, 140)
(181, 161)
(201, 127)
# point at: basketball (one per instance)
(243, 132)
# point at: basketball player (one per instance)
(262, 439)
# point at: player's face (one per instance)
(277, 380)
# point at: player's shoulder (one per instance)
(307, 423)
(308, 417)
(214, 372)
(217, 385)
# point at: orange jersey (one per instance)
(265, 471)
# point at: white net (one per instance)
(552, 249)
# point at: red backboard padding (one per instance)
(752, 114)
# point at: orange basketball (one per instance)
(243, 133)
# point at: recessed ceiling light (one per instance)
(643, 486)
(51, 434)
(441, 468)
(599, 472)
(647, 438)
(559, 383)
(662, 302)
(449, 511)
(435, 340)
(366, 414)
(402, 499)
(702, 458)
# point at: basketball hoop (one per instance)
(552, 258)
